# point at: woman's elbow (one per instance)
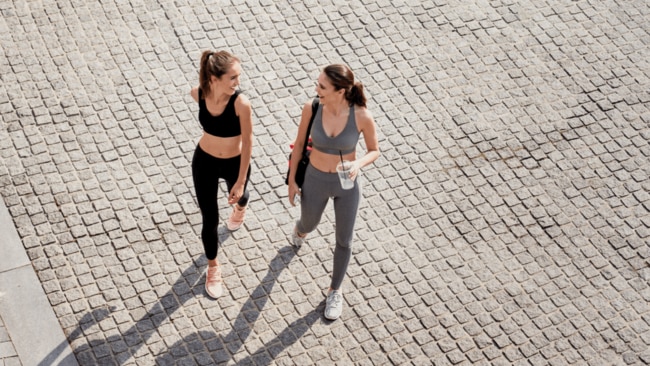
(247, 141)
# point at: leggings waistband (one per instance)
(320, 175)
(203, 154)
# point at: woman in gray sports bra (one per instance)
(340, 119)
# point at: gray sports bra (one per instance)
(343, 143)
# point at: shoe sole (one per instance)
(212, 296)
(332, 319)
(233, 228)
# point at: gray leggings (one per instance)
(317, 189)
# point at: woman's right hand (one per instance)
(293, 191)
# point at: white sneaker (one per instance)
(296, 239)
(334, 304)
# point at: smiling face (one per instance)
(229, 81)
(326, 91)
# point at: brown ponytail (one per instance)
(342, 77)
(355, 95)
(214, 64)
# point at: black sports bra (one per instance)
(224, 125)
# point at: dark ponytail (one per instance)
(204, 75)
(214, 64)
(342, 77)
(355, 95)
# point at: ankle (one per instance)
(298, 233)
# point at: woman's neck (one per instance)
(339, 108)
(218, 96)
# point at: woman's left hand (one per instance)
(354, 170)
(236, 193)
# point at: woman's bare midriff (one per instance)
(327, 162)
(221, 147)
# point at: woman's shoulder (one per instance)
(195, 93)
(242, 100)
(362, 114)
(311, 102)
(242, 105)
(308, 106)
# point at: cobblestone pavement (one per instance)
(507, 221)
(7, 352)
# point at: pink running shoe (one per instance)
(214, 282)
(236, 218)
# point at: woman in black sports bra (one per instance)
(223, 152)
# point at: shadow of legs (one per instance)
(251, 310)
(200, 344)
(130, 341)
(286, 338)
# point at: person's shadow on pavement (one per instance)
(202, 346)
(206, 347)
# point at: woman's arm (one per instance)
(369, 130)
(296, 153)
(244, 111)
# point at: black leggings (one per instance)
(206, 171)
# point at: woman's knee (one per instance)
(344, 234)
(306, 226)
(344, 242)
